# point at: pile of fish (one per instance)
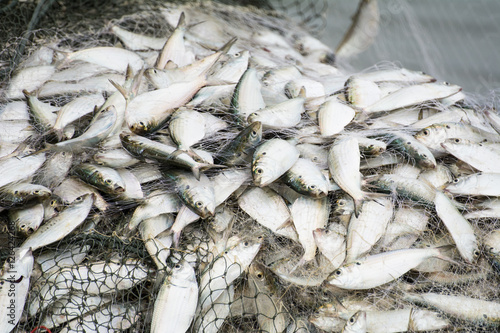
(229, 178)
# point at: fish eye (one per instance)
(457, 140)
(53, 203)
(254, 133)
(199, 204)
(448, 126)
(341, 202)
(246, 243)
(259, 171)
(315, 158)
(426, 132)
(36, 191)
(264, 153)
(237, 54)
(338, 272)
(188, 187)
(312, 187)
(424, 155)
(80, 198)
(177, 266)
(142, 124)
(358, 263)
(260, 275)
(408, 143)
(455, 180)
(446, 83)
(351, 320)
(476, 253)
(16, 192)
(485, 316)
(108, 181)
(23, 227)
(155, 71)
(299, 176)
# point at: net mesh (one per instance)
(104, 277)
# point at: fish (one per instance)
(247, 97)
(60, 225)
(343, 162)
(269, 209)
(198, 195)
(174, 48)
(480, 184)
(367, 228)
(105, 179)
(114, 58)
(459, 228)
(379, 269)
(176, 302)
(225, 269)
(362, 31)
(334, 116)
(412, 95)
(271, 160)
(309, 214)
(307, 179)
(240, 149)
(482, 156)
(463, 307)
(136, 42)
(14, 286)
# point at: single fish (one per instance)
(482, 156)
(271, 160)
(14, 286)
(176, 302)
(460, 229)
(247, 96)
(307, 179)
(379, 269)
(240, 149)
(481, 184)
(105, 179)
(198, 195)
(413, 95)
(225, 269)
(459, 306)
(362, 32)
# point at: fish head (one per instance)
(344, 206)
(263, 169)
(426, 161)
(202, 201)
(253, 133)
(344, 276)
(357, 322)
(253, 117)
(182, 274)
(141, 127)
(318, 189)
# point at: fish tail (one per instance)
(358, 203)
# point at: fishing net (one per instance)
(106, 277)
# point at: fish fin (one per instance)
(226, 47)
(181, 23)
(171, 65)
(357, 206)
(205, 166)
(444, 257)
(126, 94)
(287, 223)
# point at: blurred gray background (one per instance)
(454, 40)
